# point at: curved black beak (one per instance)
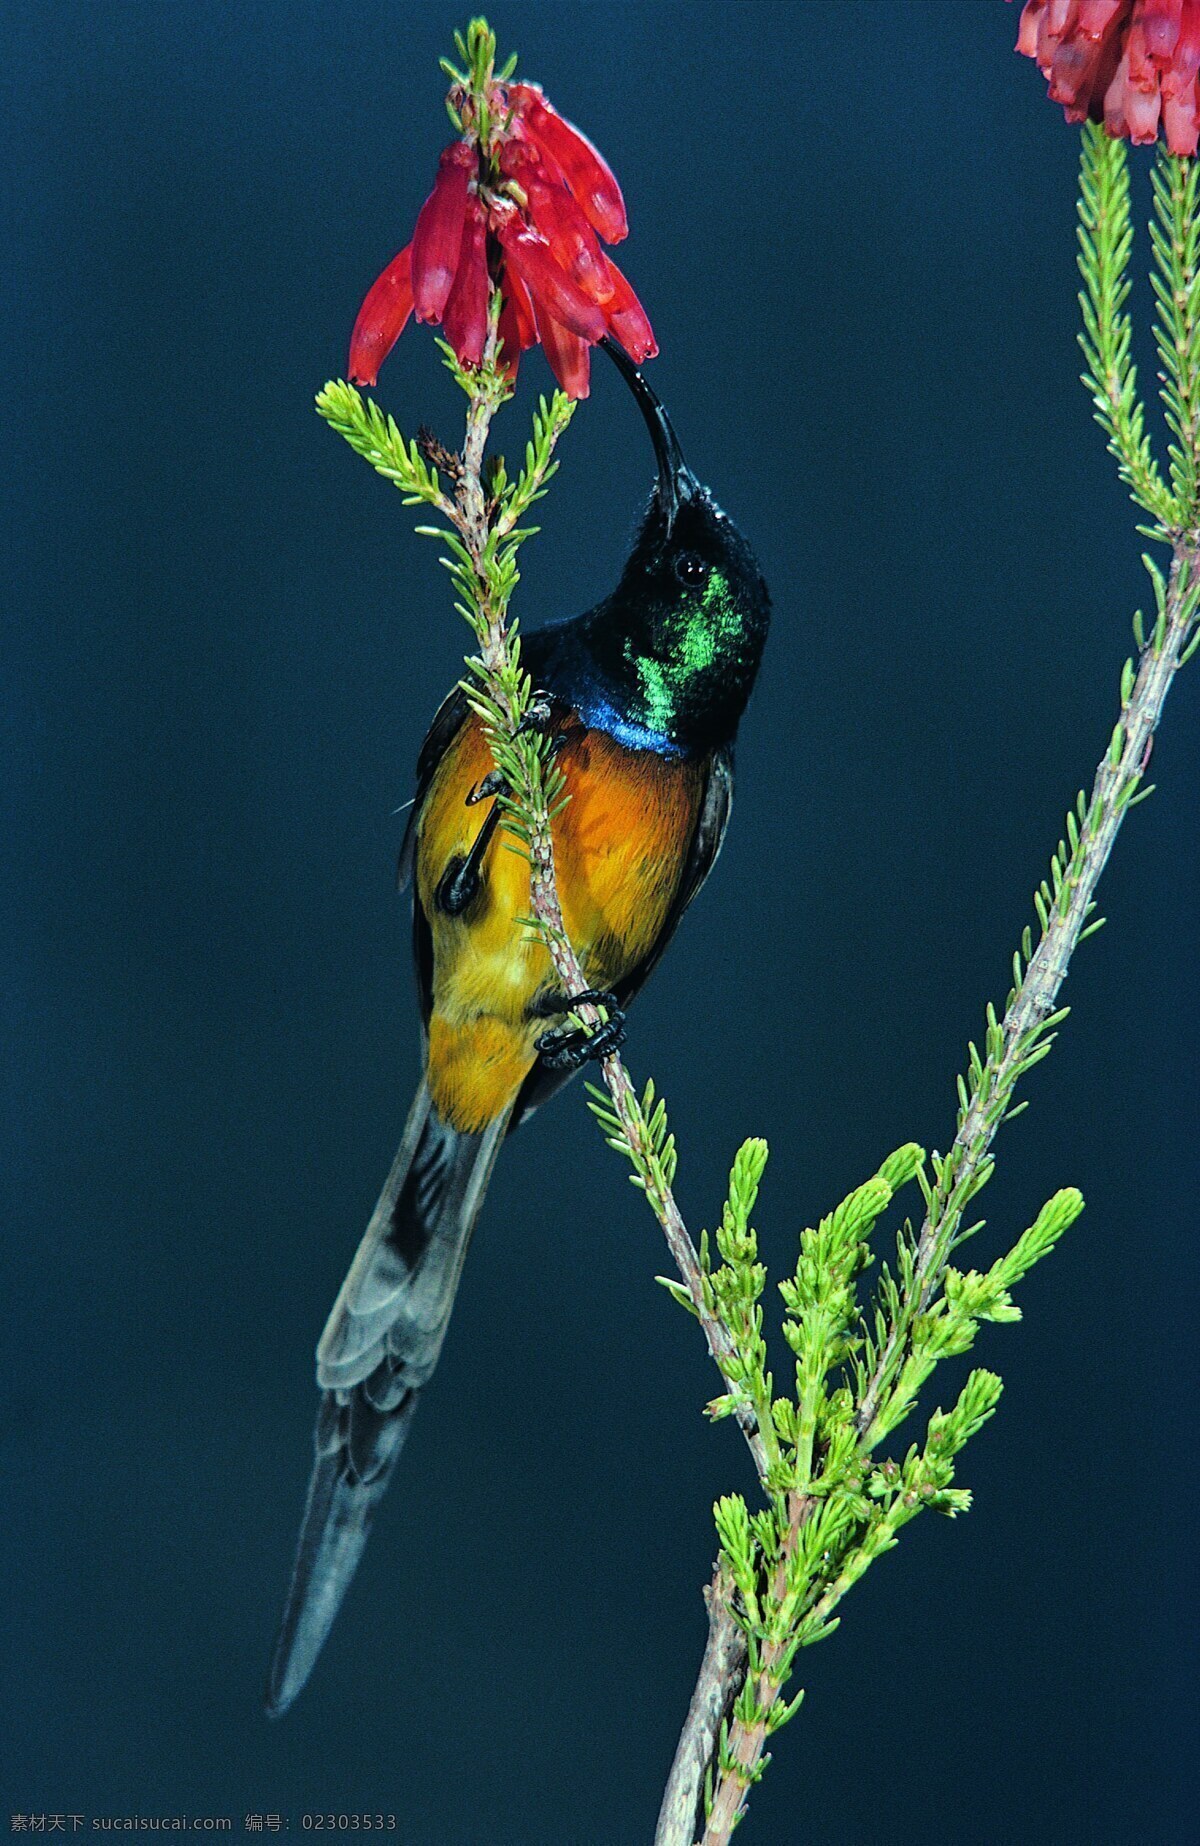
(676, 482)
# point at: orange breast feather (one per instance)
(620, 847)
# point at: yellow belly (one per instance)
(620, 845)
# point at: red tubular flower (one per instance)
(572, 240)
(583, 167)
(1181, 100)
(437, 239)
(521, 204)
(465, 319)
(518, 328)
(553, 212)
(570, 357)
(628, 318)
(530, 256)
(1128, 63)
(1095, 16)
(381, 319)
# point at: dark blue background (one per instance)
(853, 226)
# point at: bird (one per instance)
(641, 697)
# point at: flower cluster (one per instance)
(522, 201)
(1128, 63)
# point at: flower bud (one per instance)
(555, 215)
(1095, 16)
(1160, 21)
(1181, 119)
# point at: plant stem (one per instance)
(722, 1671)
(1031, 1004)
(1034, 996)
(741, 1760)
(470, 519)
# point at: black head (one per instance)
(690, 614)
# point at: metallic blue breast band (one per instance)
(600, 714)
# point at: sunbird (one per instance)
(641, 697)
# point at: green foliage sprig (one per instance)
(376, 436)
(482, 535)
(1174, 240)
(477, 49)
(1105, 247)
(830, 1508)
(1105, 243)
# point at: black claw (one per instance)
(553, 1002)
(569, 1047)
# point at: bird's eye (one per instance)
(690, 569)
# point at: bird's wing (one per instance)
(716, 803)
(447, 720)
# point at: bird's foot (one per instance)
(540, 717)
(568, 1047)
(539, 713)
(542, 714)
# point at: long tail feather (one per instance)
(379, 1347)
